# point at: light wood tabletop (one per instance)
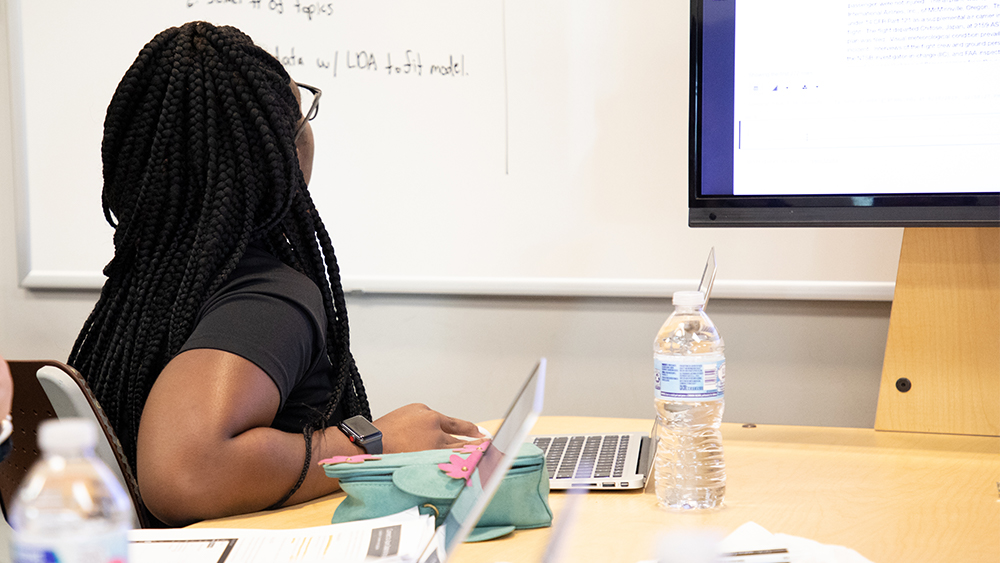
(891, 496)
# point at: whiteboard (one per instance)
(527, 147)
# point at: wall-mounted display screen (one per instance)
(845, 113)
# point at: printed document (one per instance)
(398, 537)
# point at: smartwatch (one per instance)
(363, 433)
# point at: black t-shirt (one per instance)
(273, 316)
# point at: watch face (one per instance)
(360, 427)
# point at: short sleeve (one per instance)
(270, 315)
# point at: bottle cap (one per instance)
(689, 298)
(67, 435)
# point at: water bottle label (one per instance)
(97, 548)
(689, 378)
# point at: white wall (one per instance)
(814, 363)
(794, 362)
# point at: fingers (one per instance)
(459, 442)
(416, 427)
(459, 427)
(446, 424)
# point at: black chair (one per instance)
(46, 389)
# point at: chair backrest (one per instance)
(49, 389)
(68, 400)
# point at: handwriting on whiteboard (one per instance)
(344, 62)
(406, 63)
(309, 10)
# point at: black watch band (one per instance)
(359, 430)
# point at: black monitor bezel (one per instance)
(973, 209)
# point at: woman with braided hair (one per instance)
(219, 347)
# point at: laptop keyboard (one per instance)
(584, 457)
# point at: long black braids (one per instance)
(199, 161)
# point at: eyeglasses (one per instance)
(310, 94)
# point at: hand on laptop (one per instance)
(416, 427)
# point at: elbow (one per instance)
(181, 485)
(175, 496)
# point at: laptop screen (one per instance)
(470, 503)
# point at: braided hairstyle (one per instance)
(199, 161)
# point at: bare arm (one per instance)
(6, 388)
(205, 448)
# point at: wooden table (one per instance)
(890, 496)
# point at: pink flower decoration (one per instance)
(347, 459)
(460, 468)
(473, 448)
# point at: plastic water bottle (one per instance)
(70, 508)
(689, 470)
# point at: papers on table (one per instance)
(399, 537)
(750, 543)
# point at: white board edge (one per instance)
(611, 287)
(550, 287)
(70, 280)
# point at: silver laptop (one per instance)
(465, 510)
(607, 461)
(597, 461)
